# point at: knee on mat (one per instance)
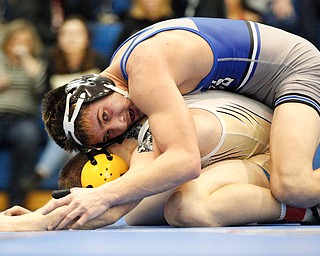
(185, 210)
(178, 211)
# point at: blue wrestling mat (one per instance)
(124, 240)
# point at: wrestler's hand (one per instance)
(82, 204)
(15, 211)
(109, 217)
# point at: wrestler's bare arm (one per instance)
(27, 221)
(20, 219)
(172, 128)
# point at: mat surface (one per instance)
(124, 240)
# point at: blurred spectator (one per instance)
(22, 77)
(310, 20)
(278, 13)
(144, 13)
(90, 10)
(36, 11)
(72, 55)
(239, 10)
(205, 8)
(118, 7)
(71, 58)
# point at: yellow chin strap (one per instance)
(107, 168)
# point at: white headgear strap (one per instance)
(118, 90)
(68, 126)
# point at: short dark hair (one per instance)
(53, 108)
(70, 174)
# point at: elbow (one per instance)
(196, 171)
(194, 168)
(186, 166)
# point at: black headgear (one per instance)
(86, 89)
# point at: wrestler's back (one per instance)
(243, 57)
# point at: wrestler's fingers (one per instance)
(72, 220)
(56, 203)
(66, 216)
(63, 219)
(79, 224)
(15, 211)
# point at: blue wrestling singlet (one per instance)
(247, 59)
(233, 55)
(235, 52)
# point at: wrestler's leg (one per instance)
(232, 192)
(294, 138)
(150, 211)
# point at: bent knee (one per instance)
(183, 210)
(291, 189)
(179, 210)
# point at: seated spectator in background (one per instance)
(278, 13)
(203, 8)
(39, 12)
(22, 83)
(71, 58)
(238, 10)
(89, 10)
(144, 13)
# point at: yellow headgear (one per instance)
(106, 168)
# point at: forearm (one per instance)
(33, 221)
(159, 176)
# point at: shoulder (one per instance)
(149, 54)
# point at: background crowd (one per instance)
(45, 43)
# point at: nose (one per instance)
(117, 126)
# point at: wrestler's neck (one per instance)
(118, 80)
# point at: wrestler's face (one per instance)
(110, 117)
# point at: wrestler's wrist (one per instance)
(108, 195)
